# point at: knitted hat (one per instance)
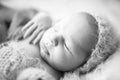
(106, 45)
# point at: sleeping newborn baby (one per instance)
(68, 44)
(18, 56)
(64, 47)
(15, 57)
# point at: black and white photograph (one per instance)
(59, 40)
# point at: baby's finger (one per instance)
(30, 30)
(38, 38)
(31, 22)
(35, 33)
(27, 26)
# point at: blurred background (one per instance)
(60, 8)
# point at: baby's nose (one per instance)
(54, 40)
(57, 39)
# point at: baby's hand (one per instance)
(36, 27)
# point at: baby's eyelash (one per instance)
(67, 48)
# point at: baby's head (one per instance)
(68, 43)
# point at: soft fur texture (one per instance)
(106, 46)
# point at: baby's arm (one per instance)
(37, 26)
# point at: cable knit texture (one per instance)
(13, 60)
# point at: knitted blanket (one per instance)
(13, 60)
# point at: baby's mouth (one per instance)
(44, 51)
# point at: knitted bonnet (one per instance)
(107, 44)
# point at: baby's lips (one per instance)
(44, 51)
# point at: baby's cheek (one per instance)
(62, 60)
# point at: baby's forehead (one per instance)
(76, 22)
(76, 25)
(79, 25)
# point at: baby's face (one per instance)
(66, 45)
